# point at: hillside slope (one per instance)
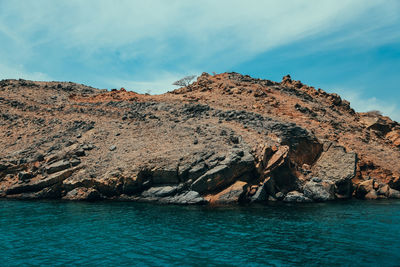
(226, 138)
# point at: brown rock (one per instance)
(278, 158)
(234, 166)
(383, 190)
(41, 182)
(394, 137)
(364, 188)
(379, 124)
(371, 195)
(319, 191)
(153, 135)
(58, 166)
(267, 188)
(253, 190)
(83, 193)
(233, 194)
(295, 196)
(393, 193)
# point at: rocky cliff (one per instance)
(226, 138)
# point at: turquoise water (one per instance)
(348, 233)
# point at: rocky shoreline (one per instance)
(224, 139)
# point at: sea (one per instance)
(57, 233)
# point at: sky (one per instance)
(350, 47)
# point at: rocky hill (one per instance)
(226, 138)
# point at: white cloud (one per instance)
(234, 30)
(19, 72)
(362, 103)
(181, 35)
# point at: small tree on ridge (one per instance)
(185, 81)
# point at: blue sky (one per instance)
(351, 47)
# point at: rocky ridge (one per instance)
(224, 139)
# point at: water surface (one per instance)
(349, 233)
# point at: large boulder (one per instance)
(236, 164)
(393, 193)
(83, 193)
(383, 190)
(379, 124)
(339, 167)
(79, 180)
(366, 188)
(278, 158)
(319, 191)
(267, 188)
(295, 196)
(263, 152)
(233, 194)
(371, 194)
(277, 169)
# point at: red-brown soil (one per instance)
(225, 138)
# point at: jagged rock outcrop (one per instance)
(224, 139)
(337, 167)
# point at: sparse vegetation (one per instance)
(374, 113)
(185, 81)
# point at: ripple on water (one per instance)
(124, 233)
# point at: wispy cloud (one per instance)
(130, 41)
(7, 72)
(361, 103)
(208, 26)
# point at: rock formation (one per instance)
(223, 139)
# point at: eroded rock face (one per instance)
(166, 175)
(236, 164)
(40, 183)
(225, 139)
(339, 167)
(58, 166)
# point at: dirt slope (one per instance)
(226, 138)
